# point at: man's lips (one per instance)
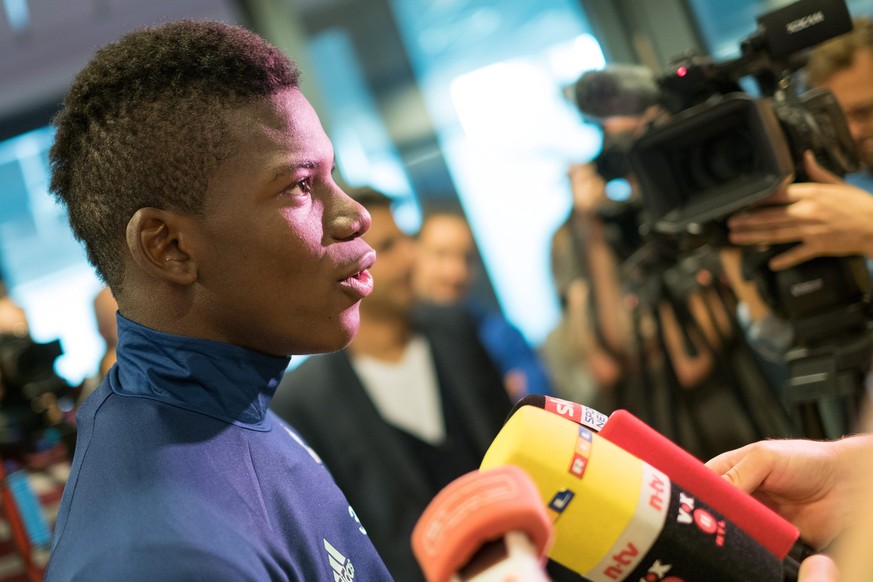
(360, 282)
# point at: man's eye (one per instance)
(305, 185)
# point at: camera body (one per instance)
(33, 398)
(720, 149)
(729, 152)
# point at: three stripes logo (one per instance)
(343, 570)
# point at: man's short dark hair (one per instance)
(839, 53)
(143, 125)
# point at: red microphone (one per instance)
(756, 519)
(485, 526)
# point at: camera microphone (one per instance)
(616, 91)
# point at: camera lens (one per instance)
(729, 156)
(718, 160)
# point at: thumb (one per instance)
(816, 173)
(818, 568)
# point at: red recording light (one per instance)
(681, 71)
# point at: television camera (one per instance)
(34, 400)
(713, 149)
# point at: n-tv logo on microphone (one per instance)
(700, 517)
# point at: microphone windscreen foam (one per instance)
(473, 510)
(618, 90)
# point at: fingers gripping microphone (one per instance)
(617, 517)
(487, 526)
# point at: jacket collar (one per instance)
(224, 381)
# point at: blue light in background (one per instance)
(44, 267)
(17, 14)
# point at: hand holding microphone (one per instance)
(823, 487)
(814, 483)
(818, 568)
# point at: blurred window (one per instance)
(44, 267)
(492, 78)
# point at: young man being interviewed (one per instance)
(199, 179)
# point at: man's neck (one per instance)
(383, 338)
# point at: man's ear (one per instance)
(155, 241)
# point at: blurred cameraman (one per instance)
(590, 285)
(657, 335)
(621, 101)
(844, 65)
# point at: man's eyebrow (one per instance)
(287, 169)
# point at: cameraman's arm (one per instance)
(744, 289)
(690, 369)
(612, 318)
(827, 218)
(583, 343)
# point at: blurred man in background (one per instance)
(13, 320)
(445, 271)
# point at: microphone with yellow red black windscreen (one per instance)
(618, 518)
(622, 428)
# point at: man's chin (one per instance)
(327, 347)
(339, 338)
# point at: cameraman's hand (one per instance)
(589, 189)
(827, 218)
(816, 485)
